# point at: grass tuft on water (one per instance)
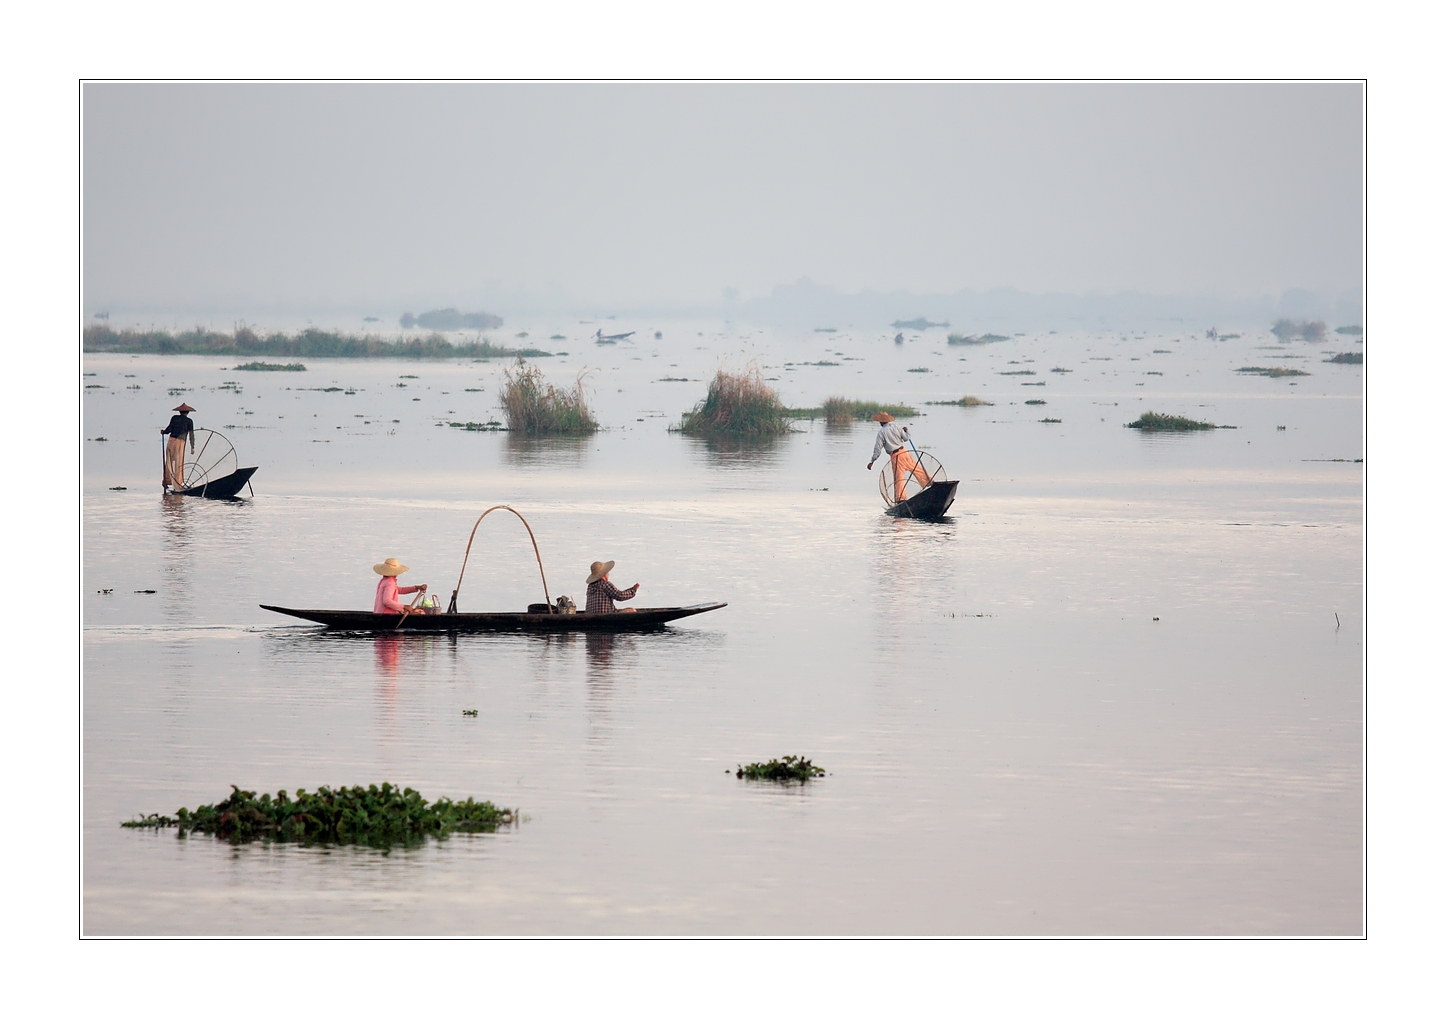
(791, 768)
(959, 340)
(1274, 372)
(837, 410)
(266, 366)
(963, 401)
(534, 406)
(370, 815)
(1152, 422)
(739, 405)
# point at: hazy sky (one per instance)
(389, 196)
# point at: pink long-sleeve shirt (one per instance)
(387, 591)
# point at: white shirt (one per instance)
(892, 437)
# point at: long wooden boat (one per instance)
(930, 504)
(484, 622)
(222, 488)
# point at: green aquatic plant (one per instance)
(1152, 422)
(837, 410)
(265, 366)
(963, 401)
(369, 815)
(958, 340)
(739, 405)
(791, 768)
(1275, 372)
(534, 406)
(1350, 357)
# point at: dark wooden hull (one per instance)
(222, 488)
(494, 622)
(930, 504)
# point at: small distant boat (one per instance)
(542, 621)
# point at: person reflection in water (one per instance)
(600, 592)
(387, 589)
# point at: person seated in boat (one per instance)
(892, 440)
(178, 431)
(600, 592)
(387, 589)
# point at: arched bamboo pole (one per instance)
(452, 608)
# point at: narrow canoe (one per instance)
(930, 504)
(481, 622)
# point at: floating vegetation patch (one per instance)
(825, 329)
(1350, 357)
(1024, 371)
(837, 410)
(477, 426)
(958, 340)
(672, 378)
(1275, 372)
(1062, 371)
(919, 324)
(1349, 330)
(739, 405)
(1162, 352)
(535, 407)
(1034, 403)
(1051, 421)
(963, 401)
(790, 769)
(1152, 422)
(1299, 329)
(266, 366)
(1155, 373)
(921, 371)
(557, 336)
(373, 816)
(306, 343)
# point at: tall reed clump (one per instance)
(536, 407)
(739, 405)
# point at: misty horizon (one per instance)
(692, 199)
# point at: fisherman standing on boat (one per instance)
(387, 589)
(181, 428)
(600, 591)
(892, 439)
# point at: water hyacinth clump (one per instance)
(534, 406)
(267, 366)
(1152, 422)
(739, 405)
(371, 815)
(1274, 372)
(791, 768)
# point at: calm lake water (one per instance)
(1014, 743)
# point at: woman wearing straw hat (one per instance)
(891, 440)
(387, 589)
(180, 429)
(600, 591)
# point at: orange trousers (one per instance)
(904, 465)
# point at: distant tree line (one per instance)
(451, 318)
(102, 338)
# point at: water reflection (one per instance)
(550, 451)
(177, 558)
(736, 454)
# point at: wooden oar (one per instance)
(413, 605)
